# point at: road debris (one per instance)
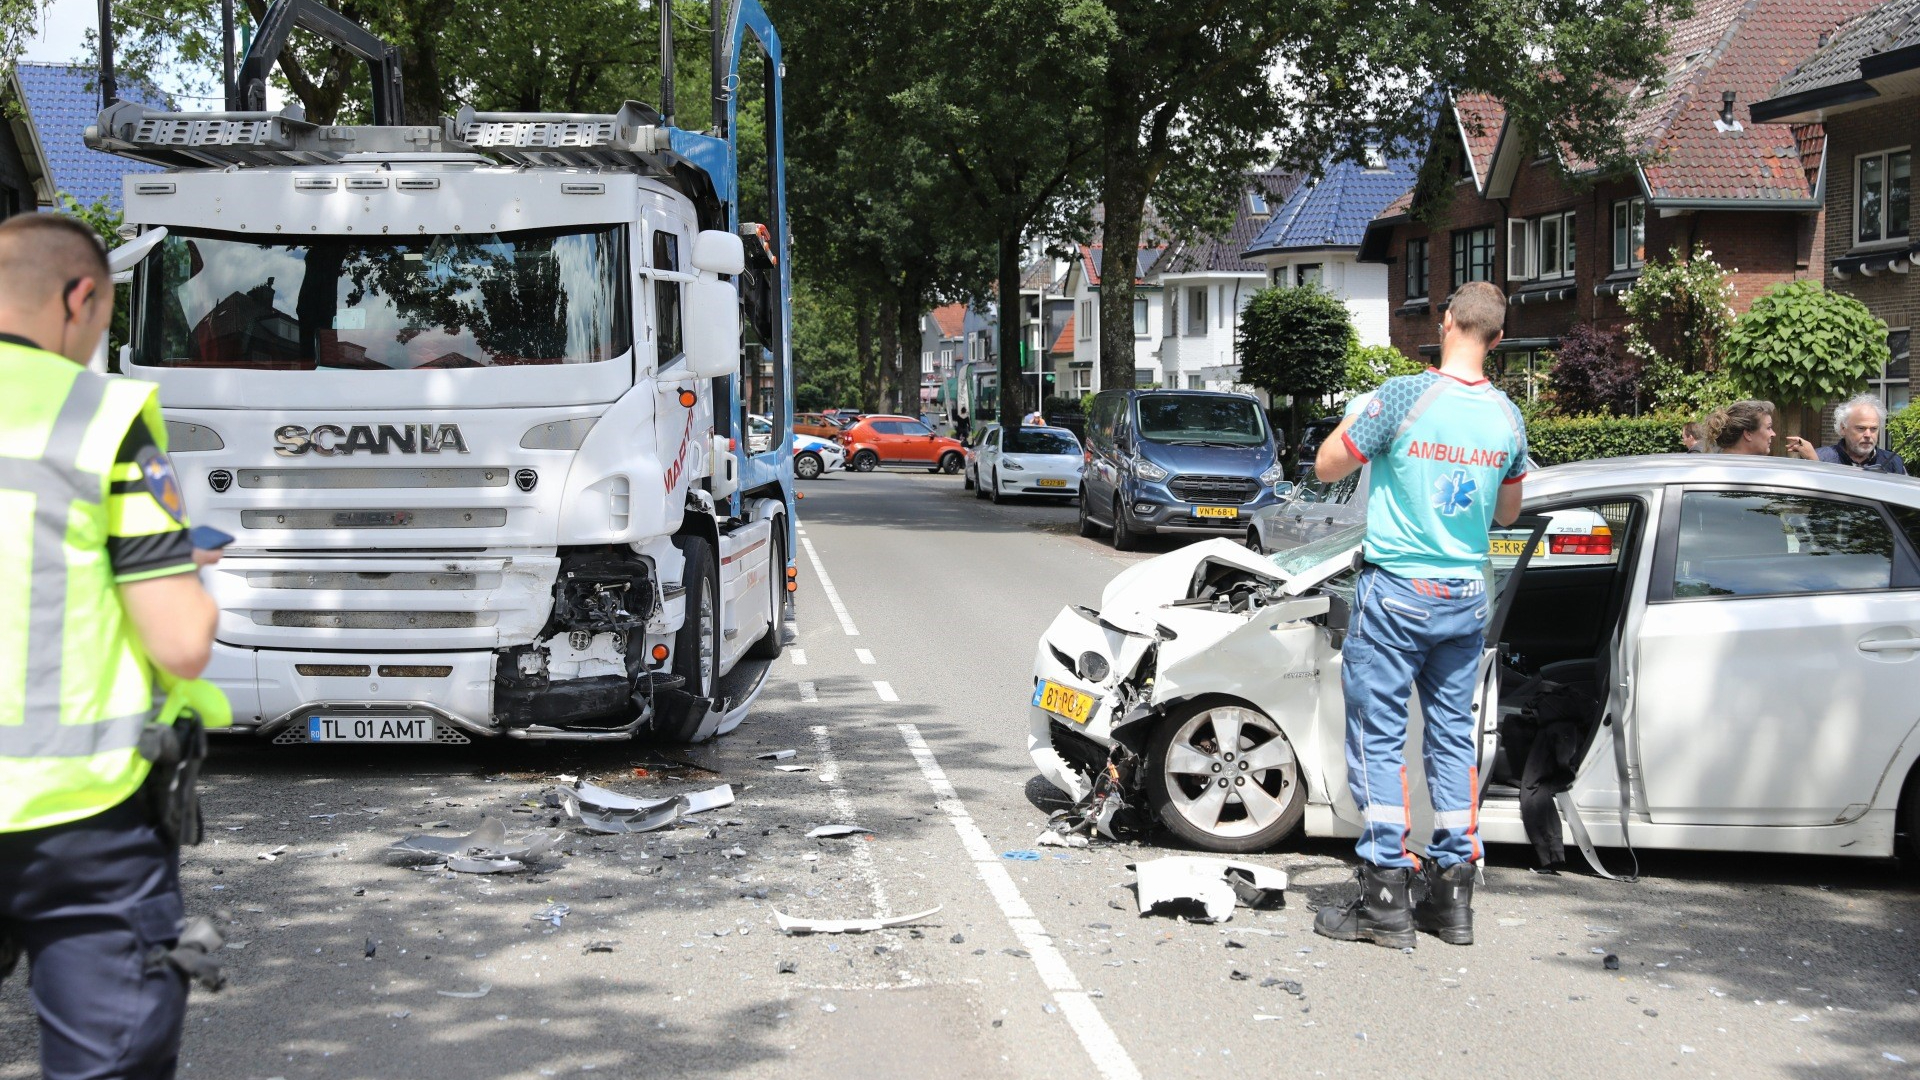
(470, 995)
(1206, 889)
(486, 850)
(599, 946)
(1054, 839)
(270, 856)
(831, 832)
(791, 925)
(1021, 856)
(1610, 962)
(552, 914)
(777, 755)
(793, 768)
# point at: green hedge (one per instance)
(1903, 434)
(1555, 440)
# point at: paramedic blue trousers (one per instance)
(1406, 633)
(87, 903)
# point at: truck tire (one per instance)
(774, 642)
(866, 461)
(696, 646)
(807, 465)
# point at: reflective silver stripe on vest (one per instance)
(56, 481)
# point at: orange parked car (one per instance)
(818, 425)
(900, 440)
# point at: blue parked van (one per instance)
(1176, 461)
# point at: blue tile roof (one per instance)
(1333, 211)
(61, 102)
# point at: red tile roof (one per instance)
(950, 319)
(1481, 118)
(1064, 343)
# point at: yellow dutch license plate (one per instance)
(1515, 547)
(1053, 483)
(1228, 512)
(1063, 700)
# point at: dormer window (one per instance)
(1375, 157)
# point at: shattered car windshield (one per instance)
(222, 300)
(1297, 560)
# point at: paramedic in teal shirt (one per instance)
(1447, 454)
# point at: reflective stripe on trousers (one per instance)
(56, 482)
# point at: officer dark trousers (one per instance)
(87, 903)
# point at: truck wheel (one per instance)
(696, 647)
(775, 642)
(807, 465)
(1222, 776)
(866, 461)
(1124, 538)
(950, 462)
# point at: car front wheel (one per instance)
(1124, 538)
(1087, 527)
(1223, 777)
(994, 491)
(866, 461)
(950, 462)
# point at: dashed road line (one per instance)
(827, 589)
(1096, 1037)
(809, 693)
(860, 851)
(865, 656)
(798, 656)
(885, 690)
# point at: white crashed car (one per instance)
(815, 457)
(1751, 636)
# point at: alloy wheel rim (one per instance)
(1230, 772)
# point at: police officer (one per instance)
(98, 598)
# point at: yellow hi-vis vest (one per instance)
(75, 687)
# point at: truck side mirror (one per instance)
(717, 252)
(710, 334)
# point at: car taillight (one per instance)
(1599, 541)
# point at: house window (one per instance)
(1140, 316)
(1142, 377)
(1375, 157)
(1417, 269)
(1629, 234)
(1086, 320)
(1257, 203)
(1196, 382)
(1197, 312)
(1540, 247)
(1894, 380)
(1472, 256)
(1880, 195)
(1309, 274)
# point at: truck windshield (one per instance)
(221, 300)
(1201, 420)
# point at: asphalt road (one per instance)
(907, 702)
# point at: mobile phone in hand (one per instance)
(208, 538)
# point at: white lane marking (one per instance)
(859, 850)
(865, 656)
(885, 690)
(809, 692)
(799, 657)
(826, 587)
(1096, 1037)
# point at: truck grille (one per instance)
(1226, 490)
(377, 620)
(373, 519)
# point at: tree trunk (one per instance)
(889, 352)
(911, 370)
(426, 96)
(863, 350)
(1124, 194)
(1013, 331)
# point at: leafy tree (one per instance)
(1903, 433)
(19, 23)
(1681, 310)
(1295, 342)
(826, 364)
(1370, 365)
(1195, 95)
(1804, 344)
(105, 221)
(1592, 373)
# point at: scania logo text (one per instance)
(335, 440)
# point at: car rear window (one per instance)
(1739, 543)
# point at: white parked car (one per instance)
(1027, 461)
(815, 457)
(1750, 638)
(759, 434)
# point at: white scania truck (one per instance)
(470, 397)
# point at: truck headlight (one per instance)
(1275, 473)
(1148, 471)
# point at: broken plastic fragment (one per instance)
(829, 832)
(462, 864)
(270, 856)
(790, 925)
(711, 799)
(552, 914)
(776, 755)
(659, 816)
(793, 768)
(1054, 839)
(470, 995)
(1204, 888)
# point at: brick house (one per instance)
(1863, 84)
(1565, 241)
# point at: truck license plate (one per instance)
(1064, 701)
(417, 729)
(1216, 511)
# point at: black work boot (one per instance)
(1447, 912)
(1380, 914)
